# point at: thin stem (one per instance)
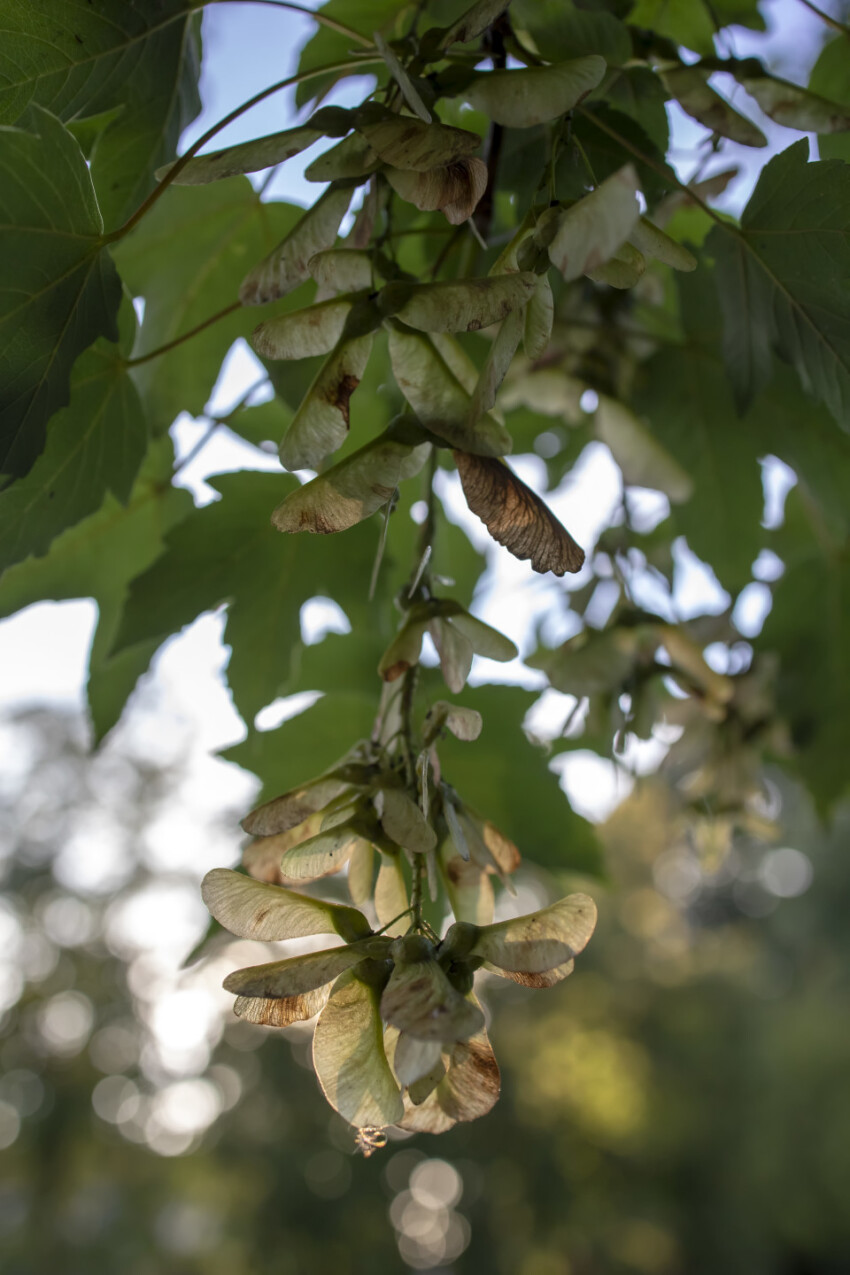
(178, 340)
(384, 928)
(177, 168)
(317, 15)
(416, 890)
(825, 17)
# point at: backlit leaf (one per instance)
(254, 910)
(200, 242)
(781, 279)
(349, 1058)
(532, 95)
(455, 652)
(515, 516)
(95, 445)
(437, 397)
(591, 231)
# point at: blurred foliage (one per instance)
(680, 1107)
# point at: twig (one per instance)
(178, 340)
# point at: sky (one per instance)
(44, 650)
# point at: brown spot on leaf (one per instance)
(340, 393)
(515, 516)
(395, 671)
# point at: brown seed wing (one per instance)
(515, 516)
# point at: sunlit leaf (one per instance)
(320, 425)
(349, 1058)
(414, 1058)
(463, 306)
(689, 85)
(288, 265)
(353, 489)
(642, 461)
(299, 974)
(469, 1089)
(59, 290)
(322, 855)
(253, 910)
(246, 157)
(541, 940)
(454, 190)
(420, 1000)
(532, 95)
(591, 231)
(467, 885)
(261, 858)
(515, 516)
(361, 872)
(291, 808)
(437, 397)
(266, 1012)
(391, 896)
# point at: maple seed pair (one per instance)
(400, 1038)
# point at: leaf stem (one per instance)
(181, 163)
(323, 19)
(825, 17)
(186, 336)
